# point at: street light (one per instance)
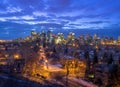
(46, 64)
(16, 56)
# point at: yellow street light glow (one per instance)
(96, 47)
(45, 64)
(45, 67)
(46, 60)
(16, 56)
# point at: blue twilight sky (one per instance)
(19, 17)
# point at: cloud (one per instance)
(88, 23)
(85, 26)
(26, 22)
(27, 17)
(38, 13)
(19, 18)
(13, 9)
(43, 23)
(63, 14)
(10, 18)
(2, 19)
(97, 22)
(10, 10)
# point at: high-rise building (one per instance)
(49, 36)
(119, 38)
(95, 37)
(33, 33)
(88, 38)
(71, 36)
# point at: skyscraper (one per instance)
(118, 38)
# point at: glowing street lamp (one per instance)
(46, 61)
(46, 64)
(16, 56)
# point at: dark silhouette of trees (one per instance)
(31, 58)
(95, 59)
(110, 60)
(105, 56)
(86, 55)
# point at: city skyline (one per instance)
(18, 17)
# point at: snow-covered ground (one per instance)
(54, 68)
(82, 82)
